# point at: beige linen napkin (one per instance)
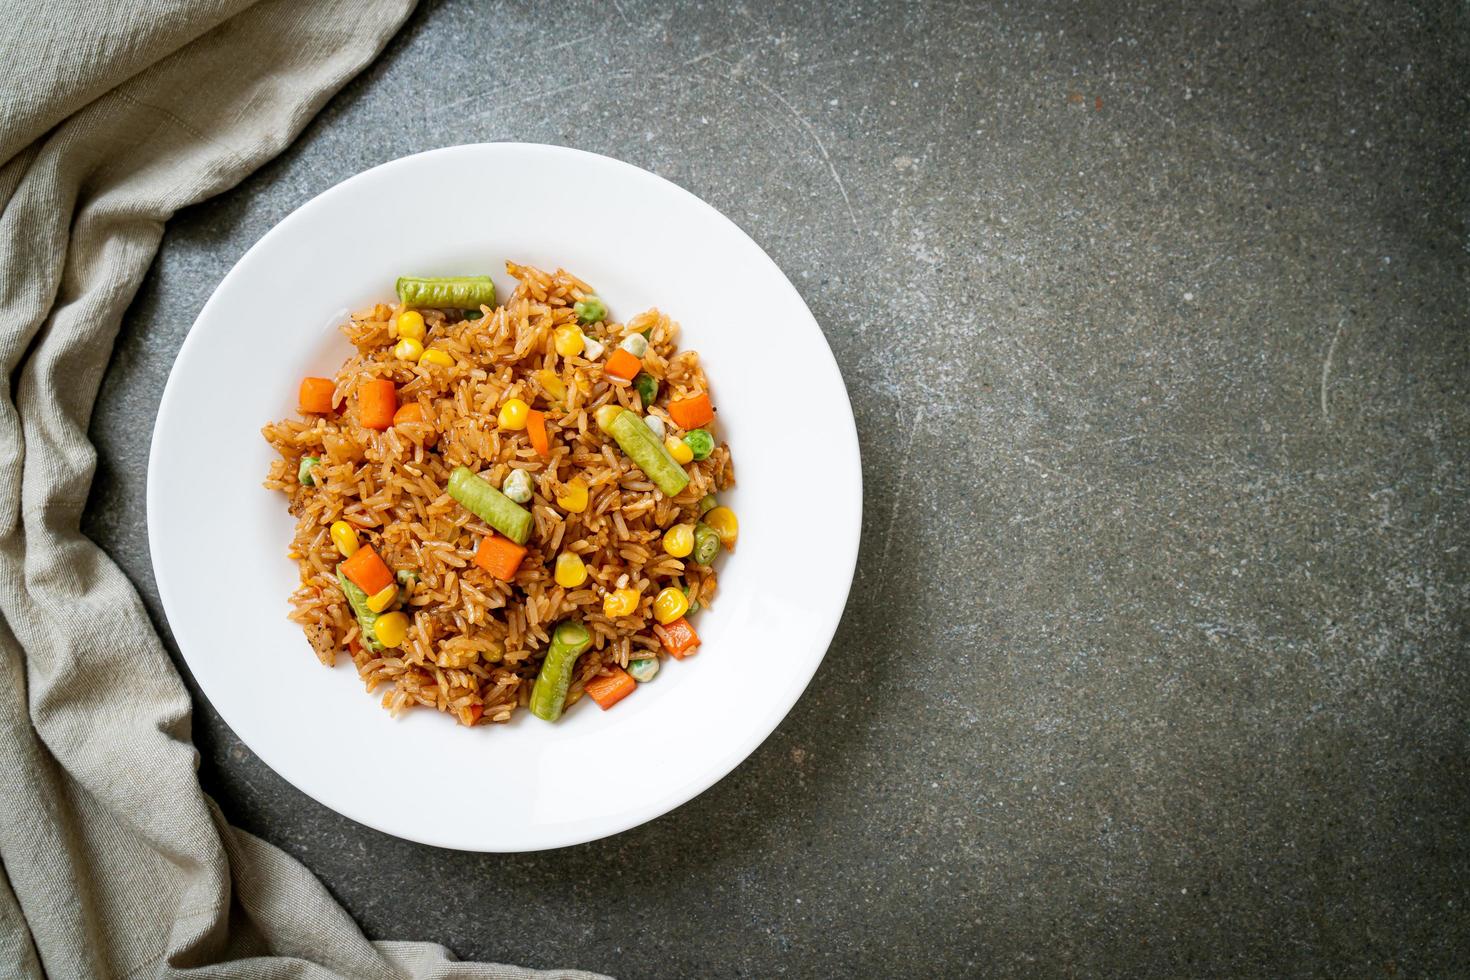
(115, 863)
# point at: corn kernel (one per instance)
(669, 605)
(722, 521)
(513, 414)
(411, 325)
(573, 496)
(679, 540)
(391, 629)
(568, 341)
(552, 384)
(382, 600)
(620, 602)
(679, 449)
(571, 571)
(436, 356)
(408, 349)
(344, 536)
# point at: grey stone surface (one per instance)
(1155, 323)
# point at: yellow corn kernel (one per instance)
(411, 325)
(679, 540)
(344, 536)
(573, 496)
(568, 341)
(436, 356)
(391, 629)
(513, 414)
(722, 521)
(408, 349)
(679, 449)
(571, 571)
(669, 605)
(620, 602)
(552, 384)
(382, 600)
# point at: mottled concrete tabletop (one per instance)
(1155, 325)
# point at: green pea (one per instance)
(643, 669)
(303, 472)
(700, 442)
(647, 387)
(590, 310)
(706, 544)
(472, 314)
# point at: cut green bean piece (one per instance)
(590, 310)
(706, 544)
(644, 448)
(366, 618)
(700, 442)
(490, 505)
(549, 695)
(643, 669)
(446, 292)
(708, 503)
(303, 472)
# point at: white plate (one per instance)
(640, 241)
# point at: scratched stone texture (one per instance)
(1154, 318)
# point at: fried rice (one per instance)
(474, 643)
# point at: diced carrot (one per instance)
(691, 413)
(622, 367)
(367, 571)
(608, 689)
(475, 711)
(316, 395)
(536, 429)
(353, 647)
(410, 413)
(678, 638)
(377, 400)
(500, 556)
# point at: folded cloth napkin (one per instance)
(115, 863)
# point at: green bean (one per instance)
(708, 503)
(706, 544)
(700, 442)
(446, 292)
(590, 310)
(490, 505)
(366, 618)
(647, 387)
(643, 448)
(303, 472)
(549, 695)
(643, 669)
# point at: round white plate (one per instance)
(640, 241)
